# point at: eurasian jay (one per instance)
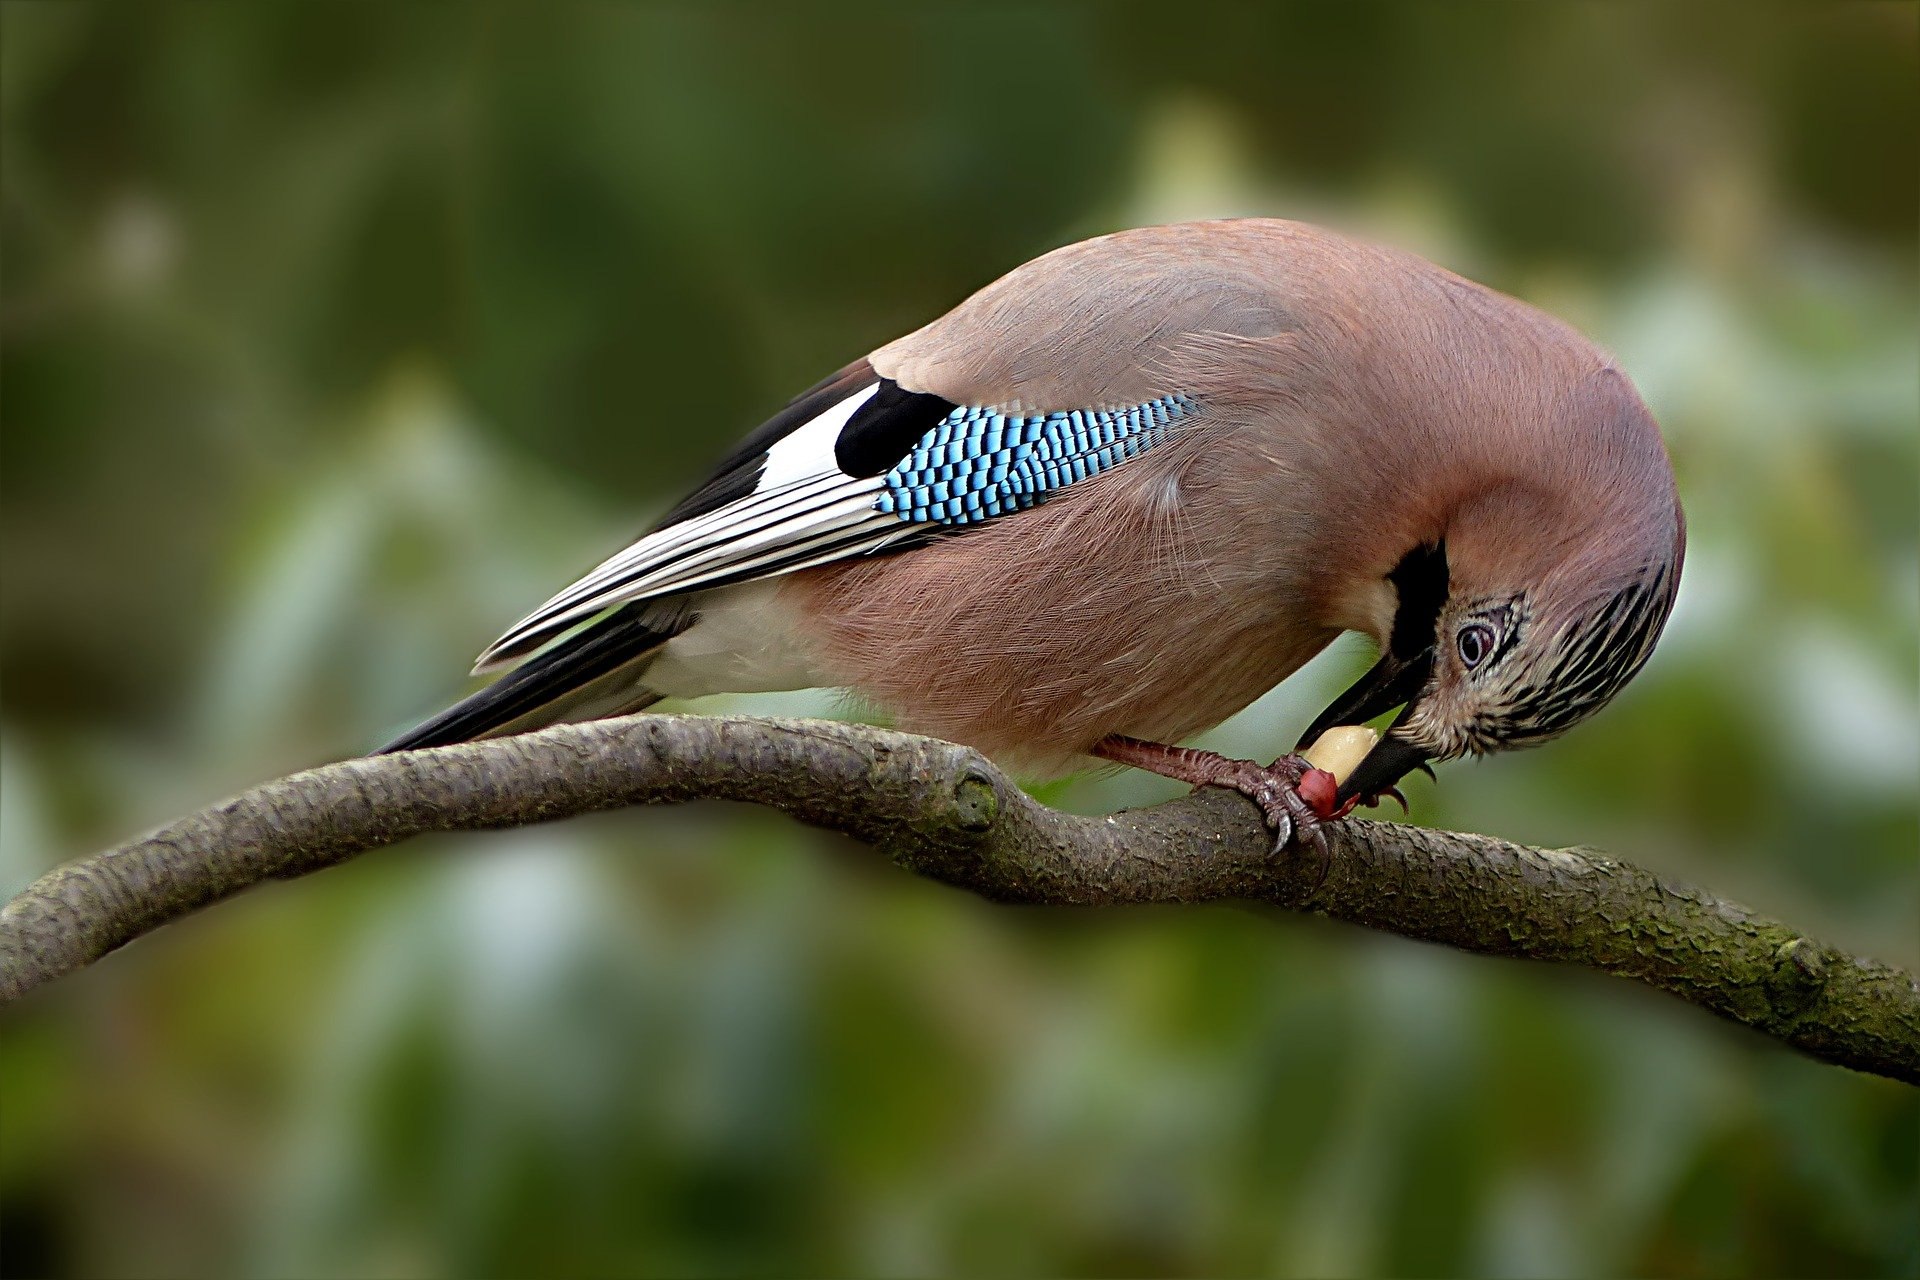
(1118, 494)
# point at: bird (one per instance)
(1118, 494)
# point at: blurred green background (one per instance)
(336, 336)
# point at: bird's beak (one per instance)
(1391, 759)
(1392, 681)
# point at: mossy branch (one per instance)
(945, 812)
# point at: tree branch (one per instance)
(945, 812)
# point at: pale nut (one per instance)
(1341, 749)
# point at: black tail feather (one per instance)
(558, 680)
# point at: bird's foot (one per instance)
(1295, 798)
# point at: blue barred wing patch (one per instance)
(979, 463)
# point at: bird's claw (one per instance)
(1295, 798)
(1332, 813)
(1288, 806)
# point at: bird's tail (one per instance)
(593, 673)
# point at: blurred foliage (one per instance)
(334, 336)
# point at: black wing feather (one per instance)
(562, 678)
(886, 427)
(598, 650)
(739, 472)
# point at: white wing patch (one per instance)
(807, 452)
(804, 511)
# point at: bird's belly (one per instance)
(1033, 644)
(743, 641)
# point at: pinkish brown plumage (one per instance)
(1132, 485)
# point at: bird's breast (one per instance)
(1110, 609)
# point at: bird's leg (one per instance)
(1294, 796)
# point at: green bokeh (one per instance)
(332, 337)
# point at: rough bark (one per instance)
(945, 812)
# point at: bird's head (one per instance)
(1528, 612)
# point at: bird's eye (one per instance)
(1475, 642)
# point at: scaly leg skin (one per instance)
(1276, 788)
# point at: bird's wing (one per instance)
(1062, 369)
(855, 466)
